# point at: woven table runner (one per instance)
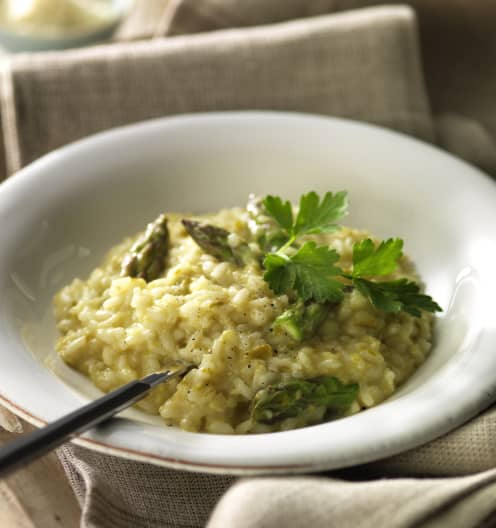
(363, 64)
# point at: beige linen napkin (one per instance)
(457, 43)
(144, 21)
(323, 503)
(363, 64)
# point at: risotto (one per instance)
(225, 318)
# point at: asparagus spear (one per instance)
(288, 400)
(146, 259)
(215, 241)
(302, 320)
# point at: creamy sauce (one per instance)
(55, 17)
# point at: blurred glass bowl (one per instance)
(21, 38)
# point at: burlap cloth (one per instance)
(364, 64)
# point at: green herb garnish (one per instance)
(268, 234)
(306, 271)
(390, 296)
(395, 296)
(311, 273)
(314, 216)
(383, 260)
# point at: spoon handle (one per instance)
(29, 447)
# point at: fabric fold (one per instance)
(144, 20)
(457, 46)
(118, 493)
(403, 503)
(362, 65)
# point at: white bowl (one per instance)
(61, 214)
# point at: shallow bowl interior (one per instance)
(61, 214)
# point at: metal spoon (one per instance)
(23, 451)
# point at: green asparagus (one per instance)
(301, 321)
(146, 259)
(215, 241)
(288, 400)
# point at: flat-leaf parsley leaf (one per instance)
(395, 296)
(383, 260)
(281, 212)
(314, 216)
(310, 272)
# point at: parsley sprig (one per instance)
(395, 296)
(391, 296)
(314, 216)
(308, 272)
(311, 272)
